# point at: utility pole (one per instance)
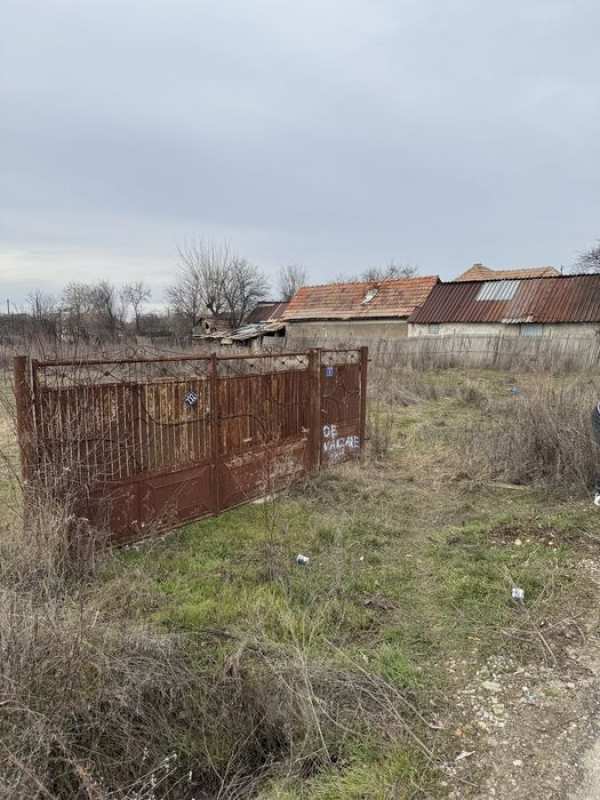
(8, 306)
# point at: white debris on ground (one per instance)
(534, 730)
(524, 723)
(518, 594)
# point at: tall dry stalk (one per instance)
(541, 435)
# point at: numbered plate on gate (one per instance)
(191, 399)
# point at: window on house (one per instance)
(434, 330)
(370, 295)
(531, 329)
(497, 290)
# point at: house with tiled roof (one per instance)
(356, 312)
(479, 272)
(557, 305)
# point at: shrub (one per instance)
(540, 435)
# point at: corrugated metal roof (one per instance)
(567, 298)
(246, 332)
(254, 331)
(479, 272)
(267, 310)
(396, 298)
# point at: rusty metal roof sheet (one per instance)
(266, 310)
(566, 298)
(396, 298)
(479, 272)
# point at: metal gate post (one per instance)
(24, 407)
(214, 432)
(314, 367)
(364, 366)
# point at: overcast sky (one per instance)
(339, 135)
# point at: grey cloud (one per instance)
(339, 134)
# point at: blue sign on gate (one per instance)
(329, 372)
(191, 399)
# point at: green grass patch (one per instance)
(411, 565)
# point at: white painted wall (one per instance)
(586, 329)
(354, 332)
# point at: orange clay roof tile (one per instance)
(395, 298)
(478, 272)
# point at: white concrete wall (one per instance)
(588, 329)
(351, 332)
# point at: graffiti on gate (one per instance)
(337, 447)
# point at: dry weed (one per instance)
(540, 435)
(93, 706)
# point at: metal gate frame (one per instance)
(332, 390)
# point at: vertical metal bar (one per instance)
(158, 392)
(142, 455)
(70, 398)
(36, 414)
(314, 367)
(76, 426)
(104, 475)
(24, 406)
(185, 429)
(198, 420)
(117, 407)
(214, 433)
(171, 430)
(95, 445)
(205, 430)
(129, 394)
(145, 421)
(84, 433)
(177, 430)
(364, 366)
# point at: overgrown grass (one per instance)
(541, 435)
(212, 652)
(412, 564)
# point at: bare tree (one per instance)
(104, 301)
(291, 278)
(135, 295)
(244, 287)
(44, 313)
(77, 305)
(201, 278)
(41, 305)
(390, 271)
(211, 278)
(186, 296)
(91, 309)
(589, 261)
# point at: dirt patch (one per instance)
(532, 731)
(538, 533)
(590, 787)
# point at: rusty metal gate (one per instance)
(142, 445)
